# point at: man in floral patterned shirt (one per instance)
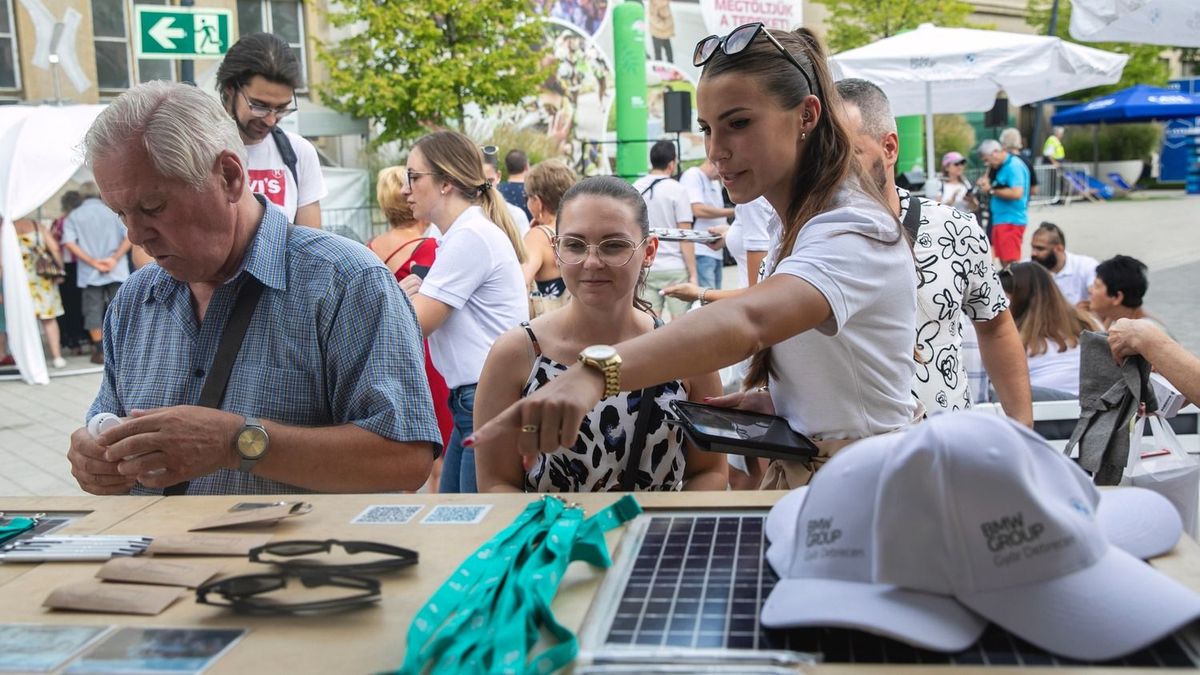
(956, 281)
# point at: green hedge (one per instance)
(1118, 142)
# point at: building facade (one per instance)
(83, 51)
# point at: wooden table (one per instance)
(361, 641)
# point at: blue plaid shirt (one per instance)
(333, 340)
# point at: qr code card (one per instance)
(447, 514)
(387, 514)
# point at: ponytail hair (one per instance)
(458, 160)
(826, 156)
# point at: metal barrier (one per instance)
(1050, 185)
(359, 223)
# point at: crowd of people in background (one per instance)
(525, 330)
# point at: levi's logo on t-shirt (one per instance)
(270, 183)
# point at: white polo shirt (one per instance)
(704, 190)
(477, 274)
(1077, 274)
(851, 376)
(749, 232)
(668, 205)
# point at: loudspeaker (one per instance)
(998, 115)
(677, 112)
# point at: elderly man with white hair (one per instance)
(1009, 203)
(255, 357)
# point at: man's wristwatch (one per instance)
(251, 444)
(605, 359)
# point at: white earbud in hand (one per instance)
(102, 422)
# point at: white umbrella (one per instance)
(953, 70)
(1157, 22)
(39, 152)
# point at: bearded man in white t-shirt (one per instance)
(257, 82)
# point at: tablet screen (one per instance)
(729, 423)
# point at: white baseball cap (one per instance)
(1141, 522)
(968, 504)
(822, 548)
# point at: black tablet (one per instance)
(741, 432)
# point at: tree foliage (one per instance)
(952, 132)
(411, 65)
(1146, 65)
(854, 23)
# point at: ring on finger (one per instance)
(530, 429)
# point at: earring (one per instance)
(803, 135)
(443, 192)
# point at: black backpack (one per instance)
(286, 152)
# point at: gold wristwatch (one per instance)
(251, 444)
(605, 359)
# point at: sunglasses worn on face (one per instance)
(615, 252)
(737, 41)
(398, 557)
(251, 593)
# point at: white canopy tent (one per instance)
(1173, 23)
(954, 70)
(40, 149)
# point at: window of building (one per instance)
(10, 76)
(111, 23)
(284, 18)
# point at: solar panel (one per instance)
(697, 582)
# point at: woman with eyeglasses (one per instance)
(474, 291)
(830, 327)
(603, 247)
(545, 186)
(407, 248)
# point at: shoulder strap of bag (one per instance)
(641, 427)
(227, 351)
(912, 219)
(637, 444)
(286, 152)
(650, 187)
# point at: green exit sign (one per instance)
(181, 32)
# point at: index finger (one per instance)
(83, 443)
(130, 426)
(507, 422)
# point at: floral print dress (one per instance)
(47, 303)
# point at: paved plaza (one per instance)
(1161, 229)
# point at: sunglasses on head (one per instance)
(736, 42)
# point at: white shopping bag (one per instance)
(1158, 462)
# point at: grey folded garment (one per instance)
(1109, 396)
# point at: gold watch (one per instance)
(251, 444)
(605, 359)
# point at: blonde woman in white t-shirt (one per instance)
(474, 291)
(830, 327)
(1049, 327)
